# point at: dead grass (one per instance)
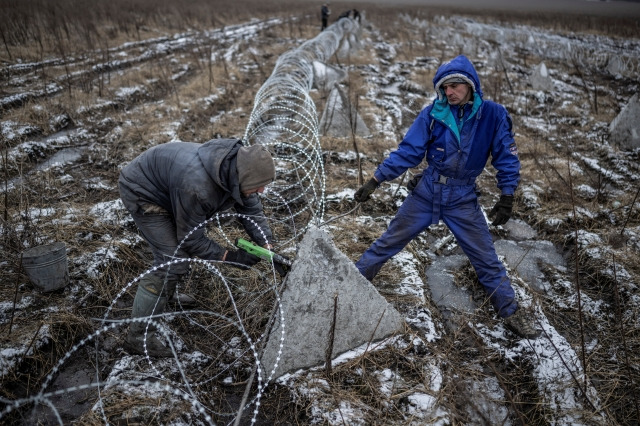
(213, 100)
(36, 30)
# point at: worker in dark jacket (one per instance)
(457, 133)
(173, 188)
(324, 13)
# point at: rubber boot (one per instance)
(146, 303)
(178, 300)
(183, 301)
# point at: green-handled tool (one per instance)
(262, 252)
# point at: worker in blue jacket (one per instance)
(457, 133)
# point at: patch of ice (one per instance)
(6, 308)
(347, 193)
(586, 238)
(586, 191)
(97, 183)
(422, 319)
(124, 92)
(388, 381)
(347, 413)
(537, 123)
(530, 196)
(10, 357)
(411, 283)
(594, 164)
(111, 213)
(92, 264)
(424, 409)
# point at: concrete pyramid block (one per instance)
(615, 66)
(540, 78)
(340, 116)
(625, 128)
(348, 47)
(326, 76)
(323, 281)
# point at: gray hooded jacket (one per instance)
(192, 182)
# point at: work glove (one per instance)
(502, 210)
(281, 268)
(366, 190)
(414, 182)
(241, 259)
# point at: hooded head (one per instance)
(458, 70)
(255, 167)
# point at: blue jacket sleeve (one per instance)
(410, 152)
(504, 155)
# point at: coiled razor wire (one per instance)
(182, 387)
(284, 117)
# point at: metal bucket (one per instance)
(47, 266)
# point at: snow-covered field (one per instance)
(572, 248)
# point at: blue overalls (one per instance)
(457, 146)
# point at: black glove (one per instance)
(414, 182)
(366, 190)
(241, 259)
(502, 210)
(281, 268)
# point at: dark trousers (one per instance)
(159, 231)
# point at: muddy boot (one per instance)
(135, 344)
(178, 300)
(521, 324)
(146, 303)
(182, 300)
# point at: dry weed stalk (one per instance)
(577, 277)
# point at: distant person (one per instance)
(325, 12)
(356, 15)
(345, 14)
(457, 133)
(172, 188)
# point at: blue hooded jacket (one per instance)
(458, 148)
